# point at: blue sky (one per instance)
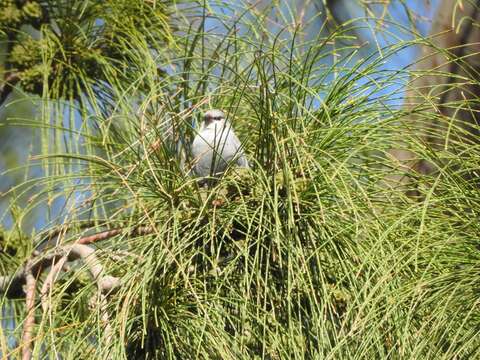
(370, 34)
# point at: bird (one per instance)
(216, 147)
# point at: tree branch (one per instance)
(56, 259)
(48, 283)
(12, 285)
(105, 283)
(29, 323)
(139, 231)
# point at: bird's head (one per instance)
(213, 118)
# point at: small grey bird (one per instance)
(216, 146)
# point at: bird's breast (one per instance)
(211, 138)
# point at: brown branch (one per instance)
(12, 285)
(27, 333)
(105, 283)
(47, 239)
(139, 231)
(459, 52)
(105, 319)
(48, 283)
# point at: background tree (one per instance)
(445, 82)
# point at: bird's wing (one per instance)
(241, 159)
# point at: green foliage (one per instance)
(15, 245)
(14, 13)
(77, 39)
(312, 253)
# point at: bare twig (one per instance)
(12, 285)
(141, 230)
(48, 283)
(105, 283)
(27, 334)
(99, 302)
(56, 260)
(50, 239)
